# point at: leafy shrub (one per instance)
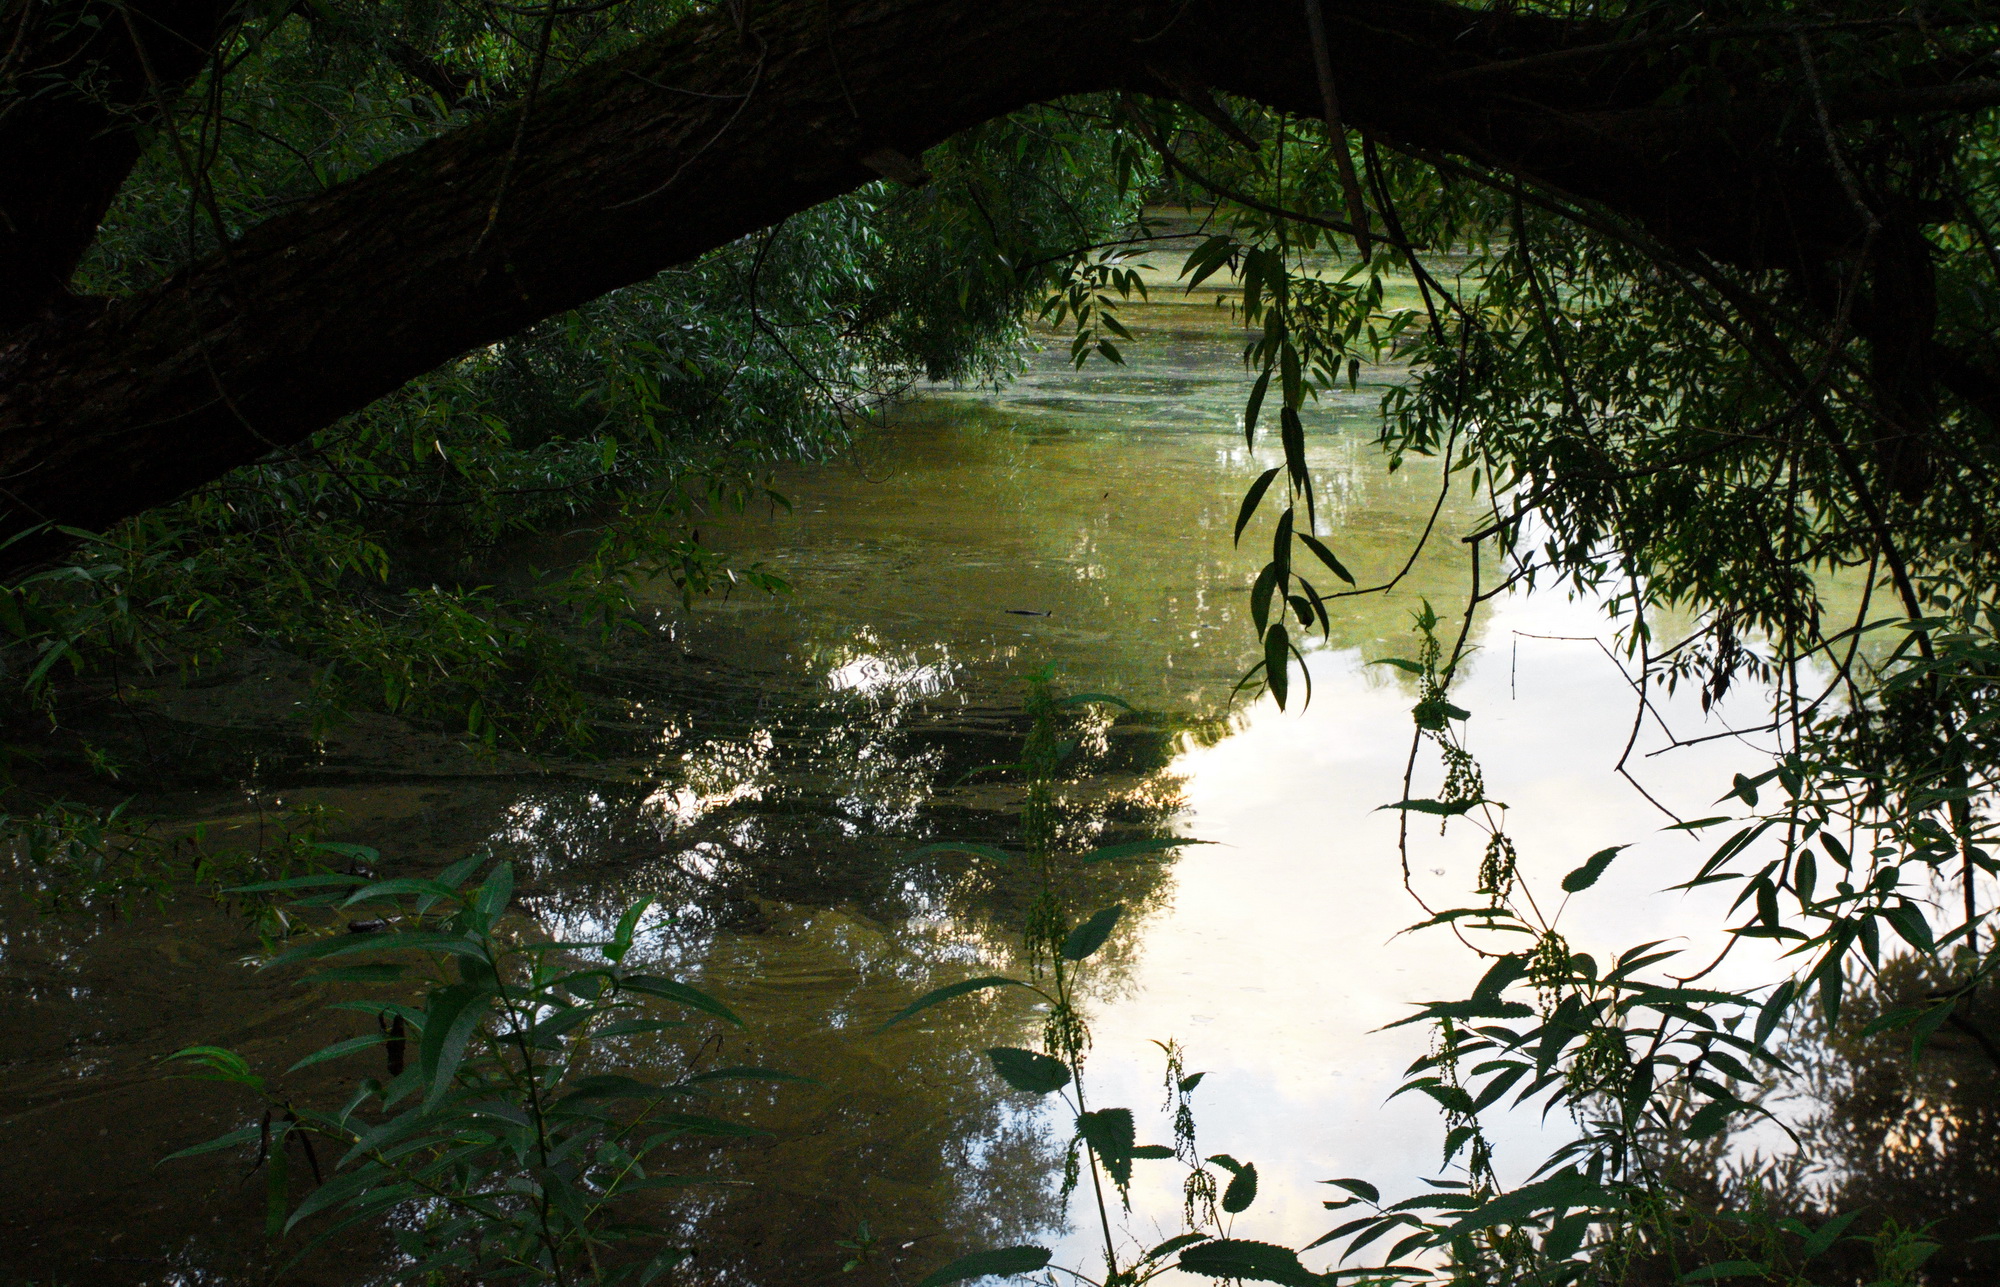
(502, 1142)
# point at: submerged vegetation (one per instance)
(1719, 404)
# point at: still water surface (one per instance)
(1106, 499)
(784, 758)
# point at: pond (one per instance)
(779, 767)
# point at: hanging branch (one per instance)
(1336, 133)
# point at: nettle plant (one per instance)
(1641, 1061)
(1058, 943)
(501, 1142)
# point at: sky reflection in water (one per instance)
(1105, 500)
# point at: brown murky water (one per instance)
(790, 755)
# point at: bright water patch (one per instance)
(1085, 520)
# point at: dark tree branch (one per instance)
(76, 91)
(710, 132)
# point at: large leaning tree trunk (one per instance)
(712, 130)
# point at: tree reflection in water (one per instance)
(775, 819)
(1913, 1149)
